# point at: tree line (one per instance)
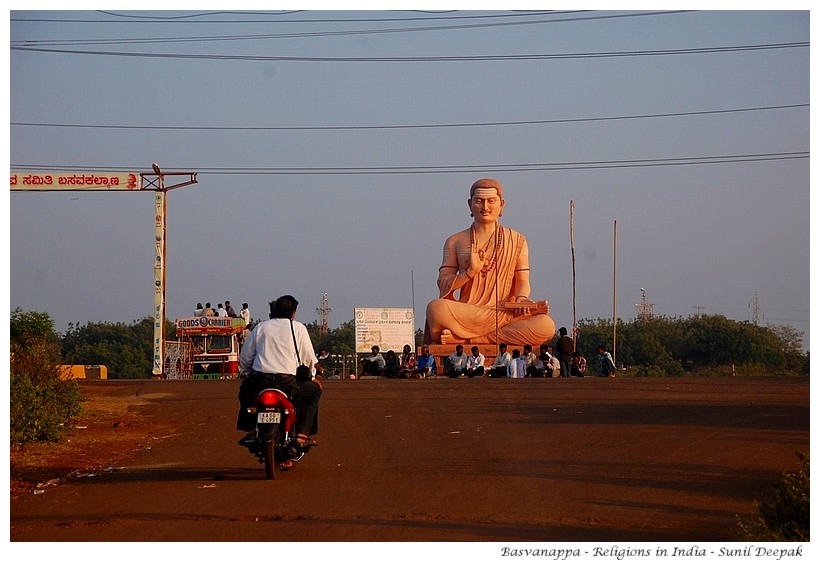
(654, 346)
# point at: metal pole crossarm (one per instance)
(152, 180)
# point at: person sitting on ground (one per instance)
(391, 364)
(578, 366)
(269, 360)
(425, 364)
(458, 363)
(373, 364)
(407, 362)
(607, 364)
(499, 366)
(516, 368)
(530, 359)
(552, 367)
(475, 363)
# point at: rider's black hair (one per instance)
(283, 307)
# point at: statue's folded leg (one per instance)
(534, 330)
(459, 322)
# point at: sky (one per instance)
(334, 152)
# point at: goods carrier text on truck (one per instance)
(215, 342)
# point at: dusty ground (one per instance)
(110, 431)
(481, 460)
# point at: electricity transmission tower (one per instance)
(755, 306)
(324, 313)
(645, 309)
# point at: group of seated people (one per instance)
(405, 366)
(514, 365)
(517, 364)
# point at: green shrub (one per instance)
(39, 409)
(786, 516)
(40, 402)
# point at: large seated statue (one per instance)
(484, 282)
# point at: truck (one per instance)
(215, 344)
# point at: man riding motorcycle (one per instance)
(270, 358)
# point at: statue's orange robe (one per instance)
(475, 315)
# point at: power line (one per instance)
(188, 18)
(530, 167)
(446, 58)
(420, 126)
(596, 16)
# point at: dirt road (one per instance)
(445, 460)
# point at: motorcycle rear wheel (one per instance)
(270, 460)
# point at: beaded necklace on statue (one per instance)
(482, 252)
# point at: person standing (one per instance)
(221, 311)
(208, 311)
(269, 360)
(245, 313)
(198, 310)
(499, 366)
(564, 348)
(229, 310)
(607, 364)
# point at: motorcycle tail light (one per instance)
(270, 399)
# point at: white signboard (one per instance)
(79, 181)
(389, 328)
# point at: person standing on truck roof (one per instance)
(229, 309)
(208, 310)
(245, 313)
(198, 310)
(221, 311)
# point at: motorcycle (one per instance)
(274, 438)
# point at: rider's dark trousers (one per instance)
(304, 394)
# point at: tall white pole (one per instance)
(614, 287)
(161, 207)
(572, 251)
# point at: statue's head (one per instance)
(486, 200)
(487, 183)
